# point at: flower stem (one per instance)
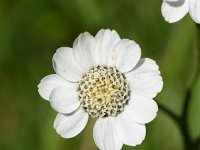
(198, 50)
(182, 121)
(169, 112)
(87, 143)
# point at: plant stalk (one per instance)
(182, 121)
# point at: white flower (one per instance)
(175, 10)
(105, 78)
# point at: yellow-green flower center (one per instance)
(103, 91)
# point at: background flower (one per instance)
(175, 10)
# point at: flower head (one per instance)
(175, 10)
(105, 78)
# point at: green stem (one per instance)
(87, 142)
(198, 50)
(182, 122)
(188, 141)
(170, 113)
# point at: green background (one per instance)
(32, 30)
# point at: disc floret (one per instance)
(103, 91)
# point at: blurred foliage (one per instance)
(31, 31)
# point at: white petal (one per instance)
(126, 55)
(83, 50)
(147, 84)
(171, 0)
(194, 10)
(144, 64)
(64, 100)
(72, 124)
(65, 65)
(141, 109)
(174, 11)
(48, 83)
(106, 134)
(133, 133)
(105, 42)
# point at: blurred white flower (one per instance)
(105, 78)
(175, 10)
